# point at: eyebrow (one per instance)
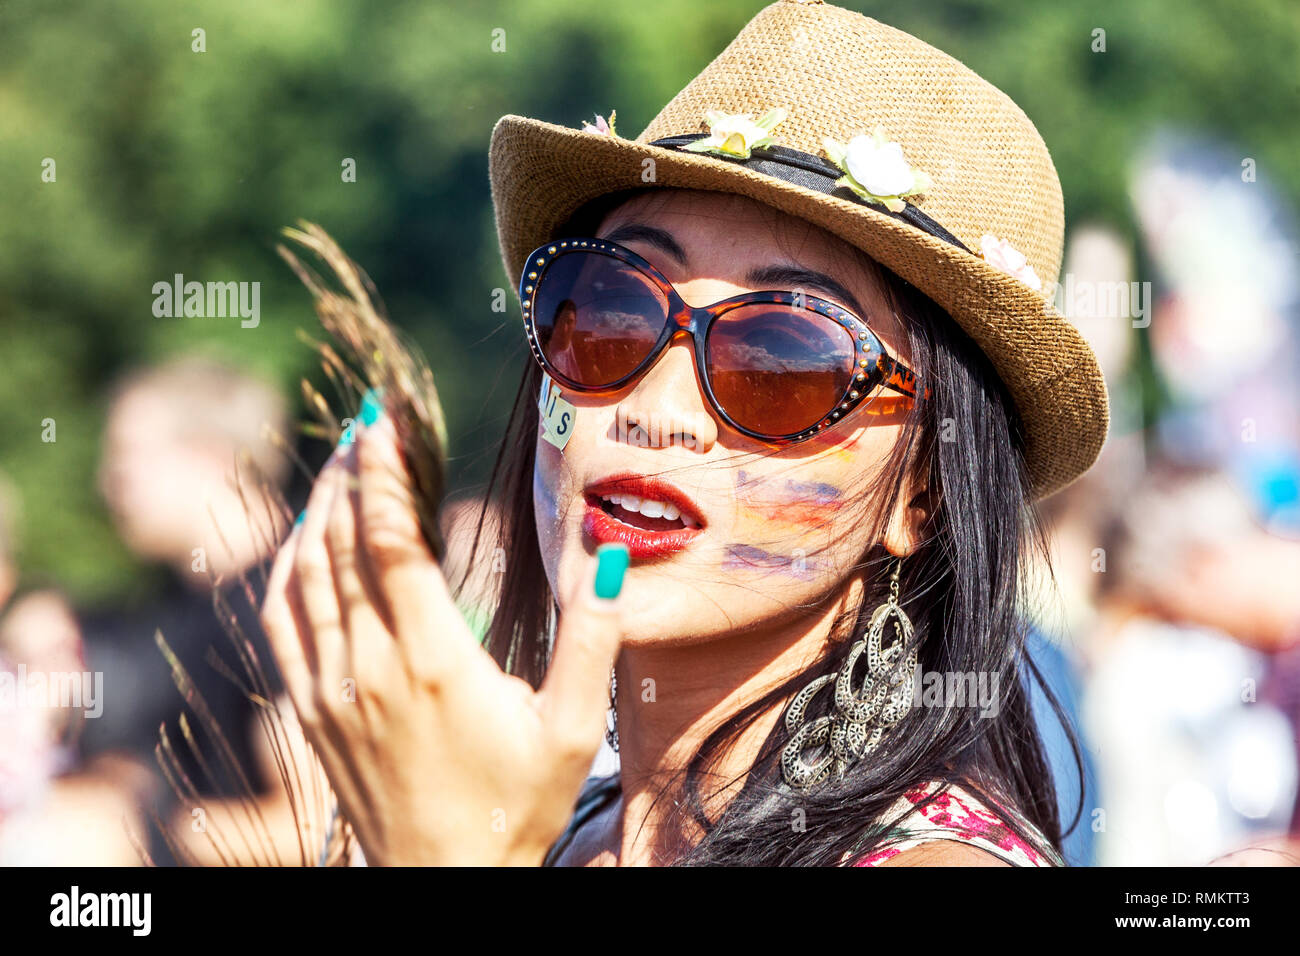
(786, 277)
(650, 235)
(782, 276)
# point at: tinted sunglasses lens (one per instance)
(596, 318)
(777, 370)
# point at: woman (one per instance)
(771, 369)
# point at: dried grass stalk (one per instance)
(364, 351)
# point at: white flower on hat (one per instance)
(735, 134)
(1002, 255)
(600, 126)
(875, 169)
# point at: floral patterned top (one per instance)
(952, 814)
(957, 816)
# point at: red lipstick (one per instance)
(645, 537)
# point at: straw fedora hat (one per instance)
(989, 212)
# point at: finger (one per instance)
(575, 693)
(281, 625)
(358, 596)
(415, 596)
(311, 586)
(341, 541)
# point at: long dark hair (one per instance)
(963, 590)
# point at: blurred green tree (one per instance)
(168, 160)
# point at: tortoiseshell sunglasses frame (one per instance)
(876, 368)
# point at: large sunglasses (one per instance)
(777, 366)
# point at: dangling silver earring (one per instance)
(860, 717)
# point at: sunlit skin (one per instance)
(707, 629)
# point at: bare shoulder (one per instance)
(945, 853)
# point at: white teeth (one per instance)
(652, 508)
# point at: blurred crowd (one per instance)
(185, 472)
(1174, 620)
(1168, 623)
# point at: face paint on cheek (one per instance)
(747, 557)
(800, 504)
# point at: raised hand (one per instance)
(437, 756)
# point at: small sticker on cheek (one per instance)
(557, 415)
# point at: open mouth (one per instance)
(653, 519)
(644, 513)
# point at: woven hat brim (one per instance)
(542, 173)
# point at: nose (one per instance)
(667, 405)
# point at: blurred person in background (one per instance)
(1224, 348)
(1193, 762)
(185, 453)
(53, 809)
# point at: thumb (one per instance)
(575, 693)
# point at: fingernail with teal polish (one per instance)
(611, 565)
(302, 515)
(372, 406)
(349, 435)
